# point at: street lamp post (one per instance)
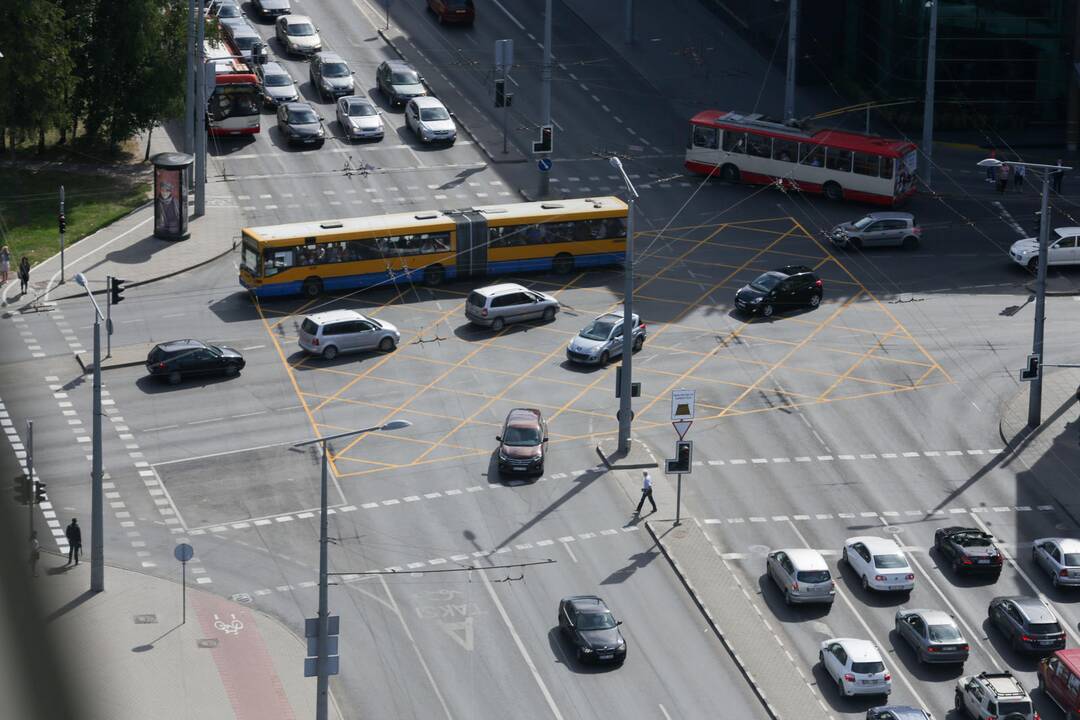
(322, 670)
(625, 386)
(97, 530)
(928, 104)
(1035, 394)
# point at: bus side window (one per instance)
(535, 234)
(886, 169)
(734, 142)
(813, 155)
(838, 159)
(784, 150)
(278, 259)
(866, 164)
(614, 228)
(705, 137)
(758, 145)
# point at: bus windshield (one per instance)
(233, 101)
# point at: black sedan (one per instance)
(182, 358)
(300, 124)
(586, 621)
(1027, 623)
(969, 550)
(781, 289)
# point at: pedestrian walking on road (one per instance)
(646, 493)
(5, 264)
(1058, 176)
(1019, 172)
(1002, 178)
(24, 274)
(74, 538)
(990, 170)
(35, 552)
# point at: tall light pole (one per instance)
(628, 315)
(928, 103)
(189, 98)
(792, 52)
(322, 665)
(545, 92)
(1035, 394)
(97, 530)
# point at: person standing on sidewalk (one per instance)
(1018, 177)
(74, 538)
(646, 493)
(1003, 178)
(5, 264)
(24, 275)
(1058, 177)
(35, 552)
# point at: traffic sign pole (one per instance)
(183, 552)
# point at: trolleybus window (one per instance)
(758, 145)
(785, 150)
(734, 142)
(838, 159)
(866, 164)
(704, 136)
(810, 154)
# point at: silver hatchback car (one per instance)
(495, 306)
(601, 340)
(342, 331)
(878, 229)
(802, 575)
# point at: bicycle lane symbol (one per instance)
(233, 627)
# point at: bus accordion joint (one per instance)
(426, 216)
(330, 225)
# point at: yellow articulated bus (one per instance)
(432, 246)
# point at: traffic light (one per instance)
(116, 289)
(546, 140)
(500, 93)
(39, 492)
(22, 490)
(684, 451)
(63, 222)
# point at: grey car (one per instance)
(359, 118)
(933, 635)
(1027, 623)
(496, 306)
(271, 8)
(300, 124)
(601, 340)
(802, 575)
(878, 229)
(330, 75)
(399, 82)
(331, 333)
(278, 86)
(1060, 557)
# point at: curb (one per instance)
(758, 692)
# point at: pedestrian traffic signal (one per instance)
(684, 451)
(500, 93)
(546, 140)
(22, 490)
(63, 222)
(116, 289)
(39, 492)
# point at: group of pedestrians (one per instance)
(1017, 173)
(5, 269)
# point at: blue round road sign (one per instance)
(544, 164)
(184, 552)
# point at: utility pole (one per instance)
(189, 98)
(97, 518)
(63, 228)
(545, 92)
(626, 386)
(928, 107)
(200, 116)
(1035, 393)
(792, 50)
(30, 468)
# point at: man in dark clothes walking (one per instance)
(74, 538)
(646, 493)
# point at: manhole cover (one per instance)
(209, 643)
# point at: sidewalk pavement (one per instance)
(127, 249)
(131, 658)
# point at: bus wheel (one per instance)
(729, 174)
(833, 191)
(313, 287)
(434, 275)
(563, 264)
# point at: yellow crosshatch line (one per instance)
(795, 399)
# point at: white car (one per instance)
(1060, 557)
(359, 118)
(430, 120)
(855, 666)
(298, 34)
(879, 563)
(1063, 248)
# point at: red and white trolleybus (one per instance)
(840, 164)
(235, 103)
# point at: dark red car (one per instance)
(453, 11)
(523, 443)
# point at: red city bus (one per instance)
(235, 104)
(842, 165)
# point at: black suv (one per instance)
(780, 289)
(1027, 623)
(179, 358)
(399, 82)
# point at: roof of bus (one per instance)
(845, 140)
(435, 220)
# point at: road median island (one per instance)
(783, 688)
